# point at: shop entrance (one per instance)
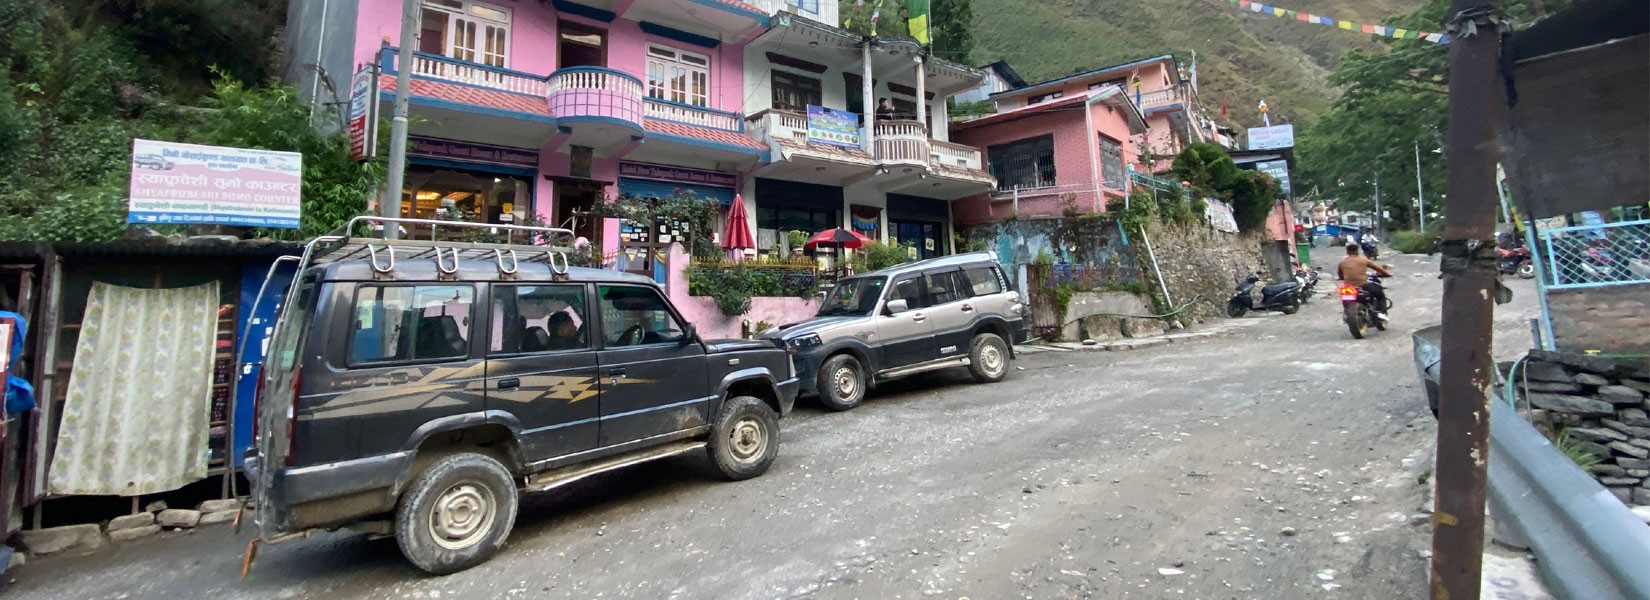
(464, 196)
(574, 202)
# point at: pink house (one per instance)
(1069, 143)
(540, 110)
(1066, 153)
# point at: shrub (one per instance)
(877, 255)
(1411, 242)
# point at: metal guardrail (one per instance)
(1586, 540)
(1596, 255)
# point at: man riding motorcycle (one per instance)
(1354, 270)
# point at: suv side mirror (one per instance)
(690, 334)
(895, 307)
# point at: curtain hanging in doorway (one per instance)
(139, 398)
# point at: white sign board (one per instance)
(363, 114)
(1267, 138)
(190, 184)
(1220, 215)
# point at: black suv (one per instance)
(415, 389)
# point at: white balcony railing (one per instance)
(1163, 97)
(695, 115)
(781, 125)
(441, 68)
(595, 92)
(902, 141)
(956, 155)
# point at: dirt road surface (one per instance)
(1281, 459)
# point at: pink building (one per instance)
(540, 110)
(1069, 143)
(1068, 153)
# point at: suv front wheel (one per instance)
(988, 358)
(841, 383)
(745, 438)
(456, 514)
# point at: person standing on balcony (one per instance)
(885, 109)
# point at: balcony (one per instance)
(957, 156)
(902, 142)
(441, 68)
(1161, 99)
(471, 102)
(596, 107)
(687, 114)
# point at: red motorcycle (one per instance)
(1515, 260)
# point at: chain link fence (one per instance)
(1596, 255)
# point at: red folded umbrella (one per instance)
(737, 234)
(837, 238)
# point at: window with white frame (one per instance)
(678, 76)
(806, 5)
(467, 31)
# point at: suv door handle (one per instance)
(919, 317)
(509, 384)
(615, 374)
(968, 308)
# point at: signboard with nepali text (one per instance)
(834, 127)
(1271, 138)
(1220, 215)
(189, 184)
(363, 114)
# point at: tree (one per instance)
(1213, 174)
(1392, 101)
(953, 29)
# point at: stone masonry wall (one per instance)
(1602, 404)
(1611, 319)
(1197, 260)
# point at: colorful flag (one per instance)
(1222, 107)
(1304, 17)
(1347, 25)
(917, 20)
(1368, 28)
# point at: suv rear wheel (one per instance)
(456, 514)
(841, 383)
(745, 438)
(988, 358)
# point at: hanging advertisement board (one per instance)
(363, 114)
(834, 127)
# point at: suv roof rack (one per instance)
(340, 245)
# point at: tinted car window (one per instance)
(946, 287)
(410, 323)
(983, 281)
(633, 316)
(909, 290)
(539, 318)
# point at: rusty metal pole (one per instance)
(1468, 265)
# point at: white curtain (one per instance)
(140, 394)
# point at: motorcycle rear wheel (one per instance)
(1236, 310)
(1355, 321)
(1526, 270)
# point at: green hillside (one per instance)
(1243, 57)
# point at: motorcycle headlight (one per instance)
(798, 344)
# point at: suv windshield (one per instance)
(855, 297)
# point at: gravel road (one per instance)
(1281, 459)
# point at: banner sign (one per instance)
(189, 184)
(363, 114)
(1270, 138)
(472, 152)
(677, 174)
(1279, 170)
(1391, 32)
(834, 127)
(1220, 215)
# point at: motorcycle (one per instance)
(1369, 248)
(1359, 310)
(1308, 279)
(1598, 265)
(1283, 297)
(1515, 260)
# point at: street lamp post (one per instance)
(398, 124)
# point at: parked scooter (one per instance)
(1282, 297)
(1515, 260)
(1358, 308)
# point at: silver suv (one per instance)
(953, 311)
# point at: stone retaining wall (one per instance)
(1602, 405)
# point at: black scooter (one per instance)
(1282, 297)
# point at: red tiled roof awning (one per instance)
(465, 94)
(729, 138)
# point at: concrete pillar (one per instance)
(868, 92)
(922, 89)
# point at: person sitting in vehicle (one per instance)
(1354, 270)
(564, 334)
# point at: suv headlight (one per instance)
(799, 344)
